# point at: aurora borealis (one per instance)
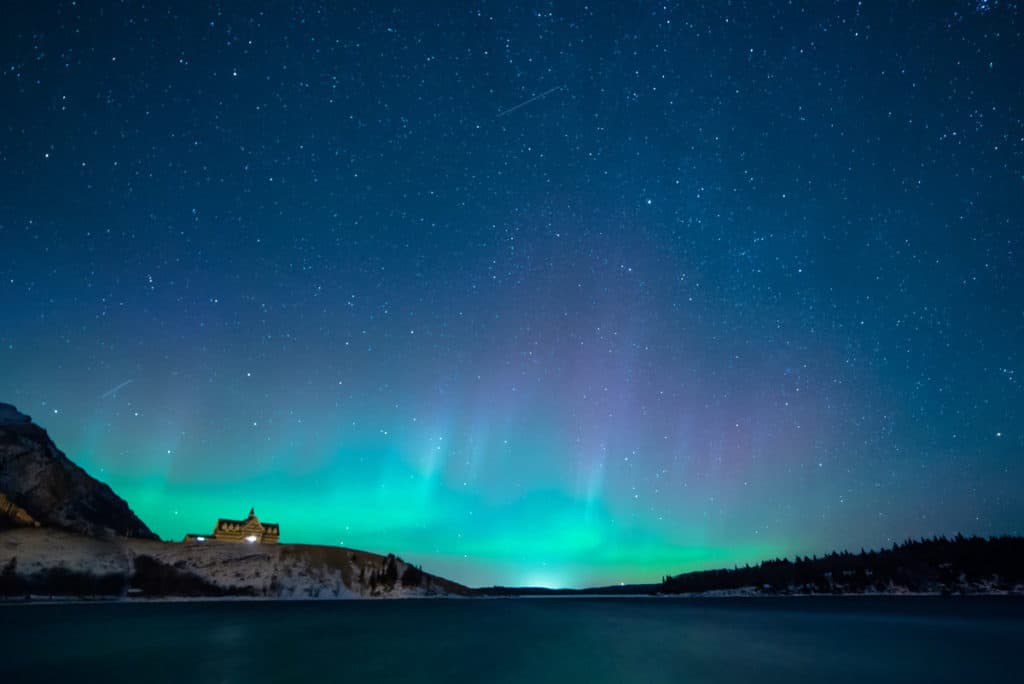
(742, 282)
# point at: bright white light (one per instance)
(251, 538)
(200, 538)
(545, 579)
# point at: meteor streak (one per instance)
(526, 102)
(114, 390)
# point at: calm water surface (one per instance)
(543, 640)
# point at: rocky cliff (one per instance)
(41, 485)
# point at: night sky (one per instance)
(527, 293)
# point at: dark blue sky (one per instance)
(743, 282)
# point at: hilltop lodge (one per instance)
(250, 531)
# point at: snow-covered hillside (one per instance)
(46, 561)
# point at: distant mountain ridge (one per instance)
(39, 481)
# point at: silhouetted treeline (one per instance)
(151, 578)
(385, 578)
(412, 577)
(155, 578)
(961, 564)
(58, 581)
(381, 578)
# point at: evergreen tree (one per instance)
(9, 584)
(390, 571)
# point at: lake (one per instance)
(825, 639)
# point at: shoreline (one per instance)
(39, 600)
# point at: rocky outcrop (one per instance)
(45, 485)
(14, 515)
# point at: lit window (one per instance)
(200, 538)
(251, 538)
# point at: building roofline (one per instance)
(243, 522)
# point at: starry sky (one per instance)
(527, 293)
